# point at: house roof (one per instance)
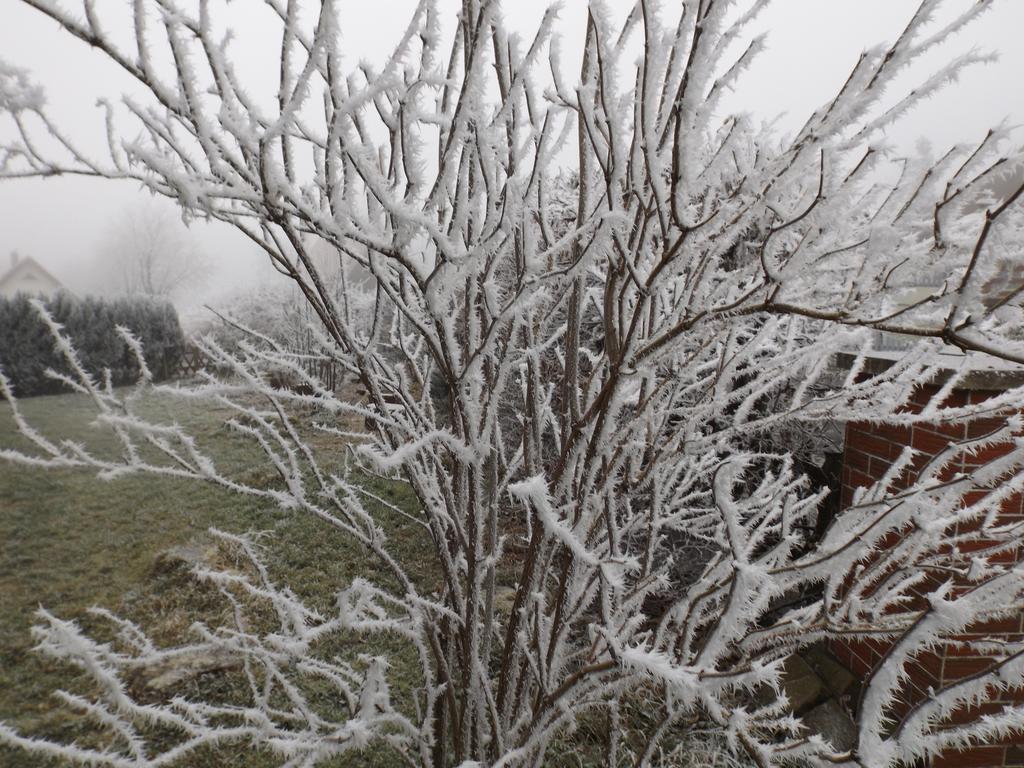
(24, 264)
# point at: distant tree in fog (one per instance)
(149, 251)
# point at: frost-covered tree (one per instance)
(276, 308)
(595, 298)
(147, 252)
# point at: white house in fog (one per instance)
(26, 275)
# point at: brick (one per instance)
(983, 456)
(857, 429)
(1007, 626)
(1007, 557)
(927, 441)
(865, 653)
(926, 393)
(857, 460)
(981, 395)
(953, 431)
(957, 398)
(957, 668)
(860, 480)
(972, 546)
(998, 557)
(930, 664)
(903, 481)
(923, 394)
(911, 407)
(972, 524)
(1011, 696)
(894, 433)
(922, 679)
(975, 757)
(877, 646)
(968, 714)
(876, 446)
(862, 658)
(981, 427)
(949, 470)
(1012, 509)
(956, 649)
(888, 541)
(973, 497)
(879, 467)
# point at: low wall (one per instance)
(870, 450)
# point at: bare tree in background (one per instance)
(148, 251)
(606, 341)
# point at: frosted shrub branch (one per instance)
(595, 306)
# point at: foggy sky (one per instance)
(812, 45)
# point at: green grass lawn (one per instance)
(69, 541)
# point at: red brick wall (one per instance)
(869, 452)
(871, 448)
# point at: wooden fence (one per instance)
(327, 371)
(192, 361)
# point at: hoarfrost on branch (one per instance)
(596, 304)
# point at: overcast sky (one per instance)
(812, 45)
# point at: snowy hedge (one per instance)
(27, 349)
